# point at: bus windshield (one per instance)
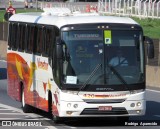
(117, 53)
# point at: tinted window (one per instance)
(10, 35)
(14, 35)
(22, 34)
(31, 35)
(48, 40)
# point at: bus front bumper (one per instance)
(83, 109)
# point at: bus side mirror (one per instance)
(58, 48)
(150, 47)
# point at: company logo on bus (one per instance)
(86, 35)
(42, 65)
(103, 96)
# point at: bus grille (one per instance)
(99, 101)
(95, 111)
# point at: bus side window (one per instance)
(48, 36)
(38, 46)
(31, 38)
(10, 36)
(21, 33)
(27, 38)
(14, 36)
(44, 43)
(48, 40)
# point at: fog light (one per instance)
(69, 105)
(139, 104)
(138, 111)
(132, 105)
(75, 105)
(69, 112)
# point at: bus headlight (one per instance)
(139, 104)
(132, 105)
(75, 105)
(69, 105)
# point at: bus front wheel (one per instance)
(56, 119)
(50, 104)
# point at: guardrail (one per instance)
(73, 6)
(136, 8)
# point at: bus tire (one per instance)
(50, 105)
(56, 119)
(25, 107)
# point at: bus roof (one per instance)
(61, 20)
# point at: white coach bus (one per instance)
(63, 63)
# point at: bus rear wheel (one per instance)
(25, 107)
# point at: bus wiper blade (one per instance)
(90, 77)
(118, 75)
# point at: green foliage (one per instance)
(2, 12)
(151, 27)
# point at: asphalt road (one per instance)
(11, 110)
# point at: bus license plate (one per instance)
(105, 108)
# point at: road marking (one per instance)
(73, 127)
(12, 114)
(29, 116)
(11, 108)
(26, 116)
(4, 119)
(51, 127)
(5, 109)
(70, 127)
(32, 115)
(153, 90)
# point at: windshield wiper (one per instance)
(118, 75)
(90, 77)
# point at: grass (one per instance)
(2, 12)
(151, 27)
